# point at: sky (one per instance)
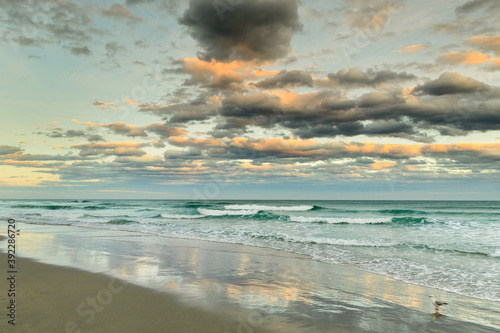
(250, 99)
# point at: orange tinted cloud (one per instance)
(491, 43)
(250, 166)
(126, 148)
(311, 148)
(105, 106)
(225, 75)
(468, 57)
(412, 48)
(382, 165)
(24, 163)
(107, 145)
(217, 74)
(261, 72)
(396, 150)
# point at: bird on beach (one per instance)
(437, 302)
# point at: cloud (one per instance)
(412, 113)
(468, 57)
(486, 43)
(126, 148)
(370, 16)
(475, 17)
(54, 22)
(6, 150)
(60, 133)
(95, 138)
(83, 50)
(105, 106)
(117, 12)
(475, 5)
(120, 128)
(165, 130)
(123, 129)
(112, 48)
(170, 6)
(317, 114)
(412, 48)
(286, 79)
(43, 157)
(355, 77)
(251, 30)
(191, 153)
(181, 113)
(213, 74)
(382, 165)
(263, 148)
(451, 83)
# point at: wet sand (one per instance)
(155, 284)
(61, 299)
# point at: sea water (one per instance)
(449, 245)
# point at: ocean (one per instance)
(449, 245)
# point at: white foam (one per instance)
(214, 212)
(337, 220)
(339, 241)
(270, 208)
(496, 253)
(183, 217)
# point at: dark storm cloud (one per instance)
(287, 79)
(380, 128)
(397, 113)
(251, 30)
(318, 115)
(355, 77)
(449, 105)
(451, 83)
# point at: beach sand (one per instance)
(157, 284)
(49, 296)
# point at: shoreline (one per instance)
(237, 280)
(53, 299)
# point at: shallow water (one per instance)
(449, 245)
(264, 288)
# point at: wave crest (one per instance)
(340, 220)
(300, 208)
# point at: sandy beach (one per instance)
(51, 298)
(134, 283)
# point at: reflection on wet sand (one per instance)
(288, 288)
(435, 316)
